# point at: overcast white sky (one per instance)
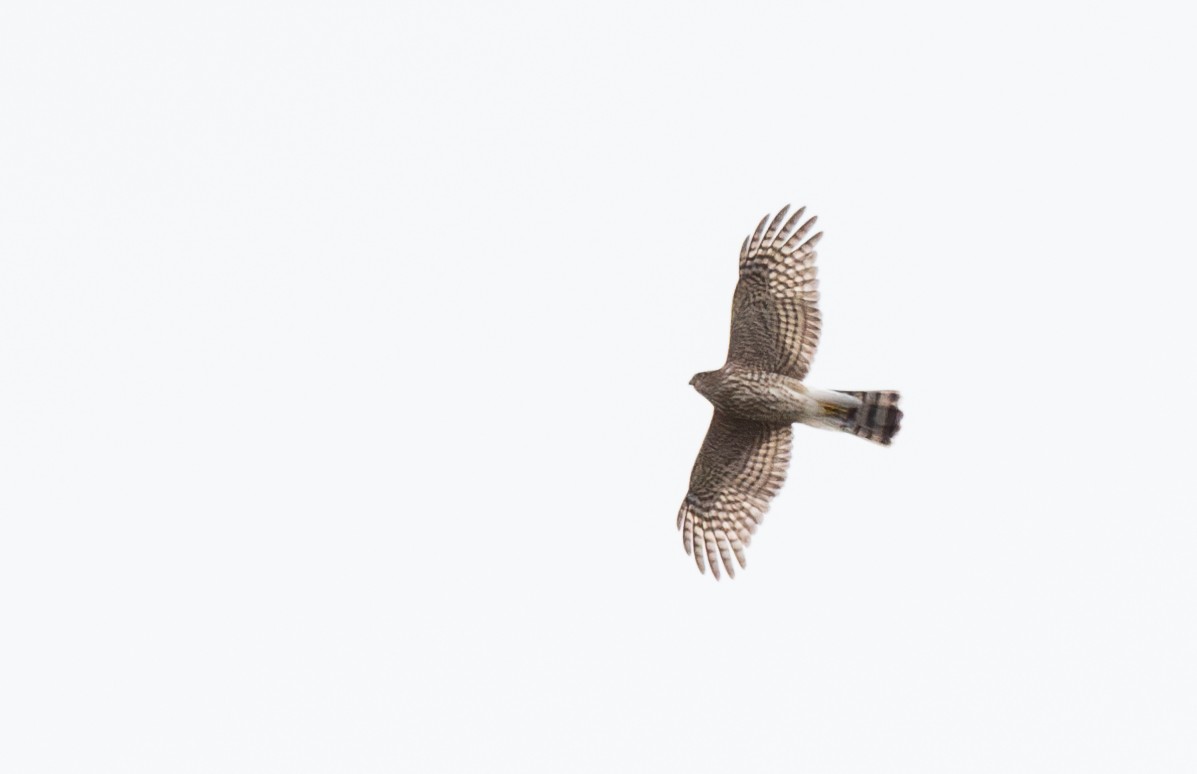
(344, 413)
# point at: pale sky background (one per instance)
(344, 352)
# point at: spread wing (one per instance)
(775, 313)
(738, 471)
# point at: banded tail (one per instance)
(878, 418)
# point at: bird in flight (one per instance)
(758, 395)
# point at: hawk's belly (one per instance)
(765, 397)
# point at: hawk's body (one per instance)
(763, 396)
(758, 394)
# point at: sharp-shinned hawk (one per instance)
(758, 394)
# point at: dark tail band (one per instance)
(878, 419)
